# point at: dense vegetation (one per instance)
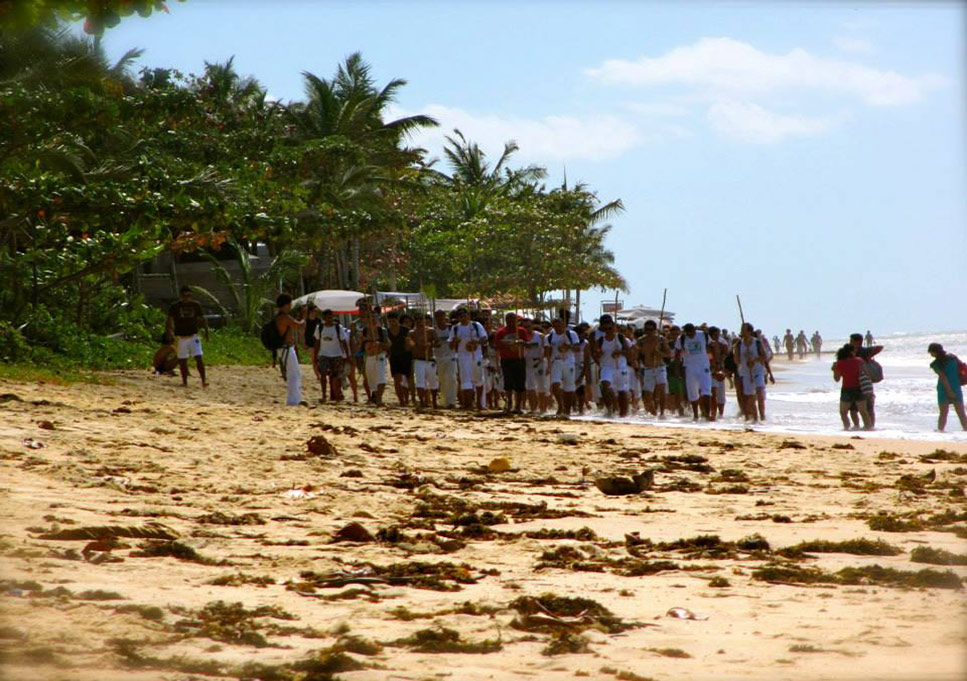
(101, 170)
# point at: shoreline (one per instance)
(227, 471)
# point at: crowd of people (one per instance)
(459, 360)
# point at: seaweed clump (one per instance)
(926, 554)
(550, 612)
(444, 640)
(856, 547)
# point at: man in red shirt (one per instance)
(510, 340)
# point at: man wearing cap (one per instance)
(184, 318)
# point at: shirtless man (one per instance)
(288, 326)
(817, 342)
(801, 344)
(653, 350)
(790, 342)
(422, 343)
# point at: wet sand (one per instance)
(131, 509)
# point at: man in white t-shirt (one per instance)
(560, 344)
(692, 349)
(329, 354)
(535, 369)
(466, 339)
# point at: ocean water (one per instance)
(805, 399)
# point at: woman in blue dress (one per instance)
(949, 390)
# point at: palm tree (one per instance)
(353, 156)
(476, 182)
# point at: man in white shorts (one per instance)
(611, 354)
(467, 338)
(750, 358)
(718, 350)
(535, 376)
(653, 351)
(559, 348)
(692, 348)
(184, 318)
(422, 343)
(376, 344)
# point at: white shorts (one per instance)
(652, 377)
(375, 371)
(189, 346)
(698, 381)
(719, 387)
(424, 374)
(563, 372)
(618, 378)
(471, 371)
(758, 381)
(535, 379)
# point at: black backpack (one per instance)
(271, 338)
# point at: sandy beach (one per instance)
(155, 532)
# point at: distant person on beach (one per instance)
(790, 342)
(867, 353)
(817, 342)
(869, 339)
(849, 368)
(949, 389)
(184, 318)
(802, 344)
(776, 343)
(288, 326)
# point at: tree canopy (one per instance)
(101, 169)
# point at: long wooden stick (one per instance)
(741, 314)
(661, 315)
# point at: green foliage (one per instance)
(97, 14)
(101, 171)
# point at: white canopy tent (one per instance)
(639, 314)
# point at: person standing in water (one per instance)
(949, 390)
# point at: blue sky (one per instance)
(807, 156)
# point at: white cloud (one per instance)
(551, 138)
(853, 45)
(730, 69)
(755, 124)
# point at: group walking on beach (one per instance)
(458, 360)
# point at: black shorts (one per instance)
(515, 374)
(400, 365)
(330, 366)
(852, 395)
